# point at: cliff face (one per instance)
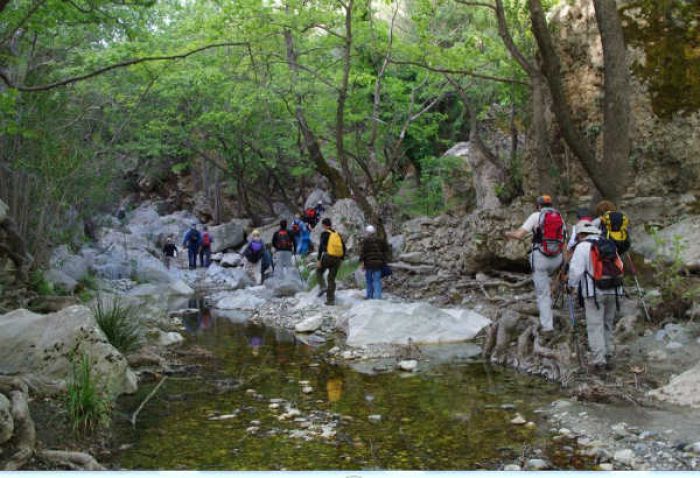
(664, 58)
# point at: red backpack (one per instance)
(206, 239)
(549, 236)
(284, 242)
(310, 214)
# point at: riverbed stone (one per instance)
(60, 280)
(231, 259)
(606, 467)
(512, 467)
(374, 418)
(228, 235)
(382, 322)
(536, 464)
(240, 300)
(309, 324)
(624, 456)
(41, 346)
(180, 288)
(7, 424)
(681, 390)
(166, 339)
(408, 365)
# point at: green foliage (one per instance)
(676, 288)
(39, 284)
(87, 407)
(119, 323)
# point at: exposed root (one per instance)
(72, 460)
(24, 438)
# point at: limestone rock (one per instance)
(74, 266)
(7, 424)
(41, 346)
(310, 324)
(240, 300)
(166, 339)
(625, 456)
(61, 280)
(316, 196)
(347, 218)
(180, 288)
(683, 389)
(381, 322)
(228, 235)
(536, 464)
(688, 233)
(408, 365)
(285, 285)
(233, 278)
(231, 259)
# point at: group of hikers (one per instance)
(288, 243)
(589, 265)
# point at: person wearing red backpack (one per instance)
(548, 238)
(596, 272)
(205, 248)
(283, 242)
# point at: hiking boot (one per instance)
(321, 292)
(330, 302)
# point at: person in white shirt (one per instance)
(600, 304)
(543, 266)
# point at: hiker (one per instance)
(613, 225)
(205, 248)
(305, 246)
(374, 255)
(169, 251)
(191, 242)
(297, 224)
(547, 228)
(253, 253)
(311, 217)
(583, 214)
(320, 209)
(331, 252)
(284, 247)
(596, 272)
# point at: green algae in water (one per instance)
(448, 419)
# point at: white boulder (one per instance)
(309, 324)
(231, 259)
(683, 389)
(473, 322)
(228, 235)
(316, 196)
(72, 265)
(232, 277)
(180, 288)
(688, 233)
(240, 300)
(60, 280)
(381, 322)
(41, 346)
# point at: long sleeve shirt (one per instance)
(323, 244)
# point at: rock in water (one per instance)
(40, 345)
(408, 365)
(380, 322)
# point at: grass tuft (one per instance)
(119, 324)
(87, 407)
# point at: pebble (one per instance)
(374, 418)
(626, 456)
(530, 425)
(347, 355)
(512, 467)
(408, 365)
(252, 429)
(536, 464)
(566, 432)
(518, 420)
(606, 467)
(274, 406)
(693, 447)
(508, 406)
(307, 389)
(250, 391)
(304, 383)
(223, 417)
(255, 423)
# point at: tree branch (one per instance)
(114, 66)
(461, 72)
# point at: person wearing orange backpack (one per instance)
(205, 248)
(596, 271)
(548, 238)
(331, 252)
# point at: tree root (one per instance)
(72, 460)
(24, 439)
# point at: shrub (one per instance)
(39, 284)
(118, 323)
(87, 407)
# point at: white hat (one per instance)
(585, 227)
(370, 229)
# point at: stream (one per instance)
(266, 401)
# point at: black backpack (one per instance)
(194, 237)
(284, 242)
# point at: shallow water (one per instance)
(456, 416)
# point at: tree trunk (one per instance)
(603, 177)
(538, 135)
(616, 107)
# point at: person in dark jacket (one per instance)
(191, 242)
(169, 251)
(283, 242)
(329, 259)
(374, 255)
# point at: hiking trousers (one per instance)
(192, 257)
(543, 268)
(204, 256)
(373, 278)
(283, 261)
(600, 321)
(254, 270)
(330, 264)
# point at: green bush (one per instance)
(347, 269)
(119, 324)
(87, 407)
(39, 284)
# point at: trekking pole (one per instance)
(577, 344)
(640, 292)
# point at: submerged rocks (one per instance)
(41, 347)
(381, 322)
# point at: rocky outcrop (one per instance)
(683, 389)
(41, 347)
(347, 218)
(229, 235)
(681, 238)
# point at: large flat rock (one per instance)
(40, 346)
(382, 322)
(683, 389)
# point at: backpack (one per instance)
(310, 214)
(615, 224)
(549, 235)
(608, 269)
(295, 228)
(206, 239)
(335, 245)
(194, 237)
(284, 242)
(254, 251)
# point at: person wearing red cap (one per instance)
(547, 228)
